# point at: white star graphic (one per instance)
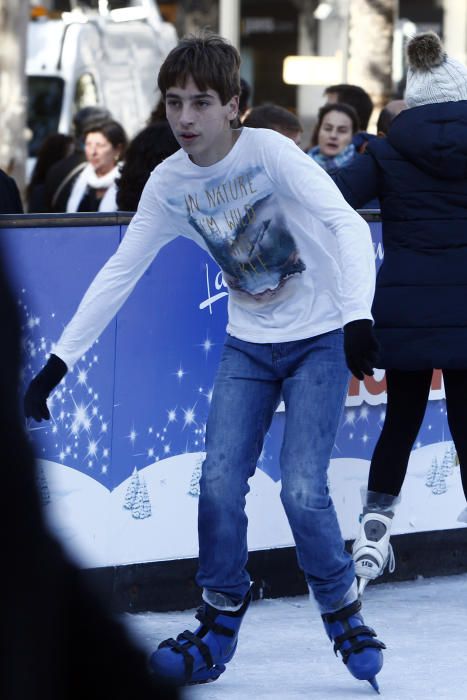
(132, 436)
(207, 345)
(189, 415)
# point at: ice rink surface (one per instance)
(283, 653)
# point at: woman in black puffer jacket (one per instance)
(419, 174)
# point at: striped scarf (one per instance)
(331, 163)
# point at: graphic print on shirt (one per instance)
(246, 234)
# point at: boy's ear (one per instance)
(233, 107)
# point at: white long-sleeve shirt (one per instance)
(297, 259)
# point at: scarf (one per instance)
(331, 163)
(88, 178)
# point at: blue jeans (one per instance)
(312, 378)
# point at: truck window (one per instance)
(44, 107)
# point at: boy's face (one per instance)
(200, 122)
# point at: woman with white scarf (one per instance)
(94, 188)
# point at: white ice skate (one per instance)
(372, 549)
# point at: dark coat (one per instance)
(60, 180)
(419, 173)
(10, 201)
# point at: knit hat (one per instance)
(433, 76)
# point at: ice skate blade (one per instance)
(215, 673)
(362, 584)
(374, 684)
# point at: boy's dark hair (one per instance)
(209, 59)
(335, 107)
(355, 96)
(271, 116)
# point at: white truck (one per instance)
(87, 56)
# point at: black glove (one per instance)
(360, 347)
(41, 386)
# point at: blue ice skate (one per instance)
(357, 643)
(200, 656)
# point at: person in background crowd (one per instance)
(387, 114)
(359, 99)
(332, 146)
(10, 200)
(150, 147)
(57, 640)
(352, 95)
(419, 173)
(270, 116)
(62, 175)
(94, 188)
(54, 148)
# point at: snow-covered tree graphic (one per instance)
(439, 485)
(42, 486)
(452, 456)
(137, 497)
(193, 489)
(132, 490)
(447, 464)
(432, 472)
(438, 472)
(142, 505)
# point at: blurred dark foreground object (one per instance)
(57, 642)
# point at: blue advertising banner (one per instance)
(121, 458)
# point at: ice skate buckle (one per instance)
(207, 617)
(179, 648)
(177, 645)
(356, 645)
(351, 634)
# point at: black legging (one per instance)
(407, 394)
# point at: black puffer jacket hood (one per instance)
(434, 138)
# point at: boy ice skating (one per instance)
(299, 265)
